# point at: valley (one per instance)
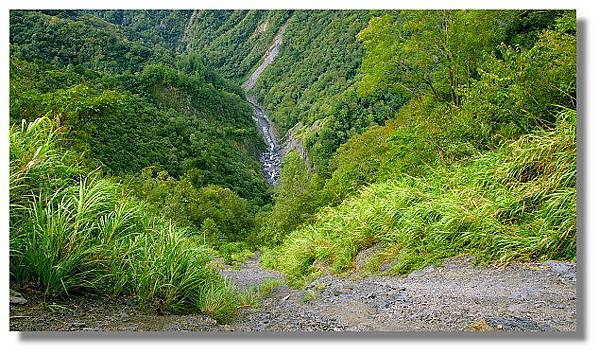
(293, 170)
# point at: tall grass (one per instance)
(74, 232)
(515, 203)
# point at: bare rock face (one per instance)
(291, 142)
(17, 298)
(269, 57)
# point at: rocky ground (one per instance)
(455, 296)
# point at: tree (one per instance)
(433, 52)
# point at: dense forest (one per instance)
(428, 134)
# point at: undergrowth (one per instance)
(514, 203)
(72, 231)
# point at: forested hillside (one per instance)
(466, 165)
(311, 84)
(233, 42)
(124, 107)
(406, 98)
(417, 135)
(137, 113)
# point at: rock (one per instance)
(130, 302)
(525, 293)
(518, 308)
(515, 323)
(124, 316)
(78, 325)
(386, 266)
(566, 270)
(17, 298)
(422, 272)
(365, 255)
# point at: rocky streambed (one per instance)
(270, 159)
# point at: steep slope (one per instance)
(165, 28)
(483, 164)
(129, 112)
(309, 86)
(234, 42)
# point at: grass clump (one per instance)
(515, 203)
(73, 231)
(309, 295)
(252, 296)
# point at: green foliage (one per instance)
(311, 82)
(526, 26)
(530, 83)
(178, 117)
(315, 63)
(357, 163)
(294, 201)
(61, 42)
(478, 164)
(153, 27)
(235, 253)
(434, 52)
(74, 233)
(309, 295)
(210, 232)
(431, 133)
(516, 203)
(216, 212)
(252, 296)
(234, 41)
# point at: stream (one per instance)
(271, 158)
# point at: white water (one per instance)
(271, 158)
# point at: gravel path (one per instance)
(455, 296)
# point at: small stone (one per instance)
(78, 325)
(17, 298)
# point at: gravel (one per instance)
(456, 296)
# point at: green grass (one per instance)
(515, 203)
(309, 295)
(252, 296)
(75, 232)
